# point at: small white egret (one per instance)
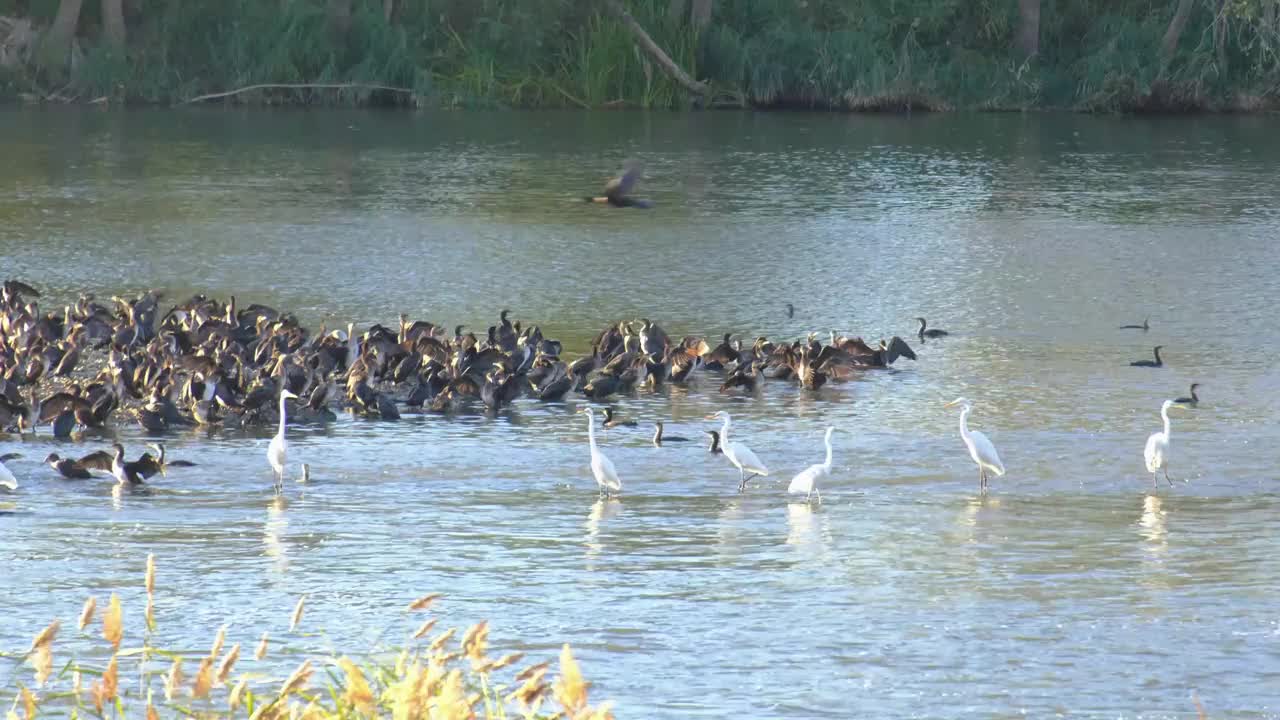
(7, 480)
(740, 455)
(278, 450)
(807, 481)
(980, 448)
(601, 467)
(1157, 451)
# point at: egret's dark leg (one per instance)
(1166, 475)
(742, 482)
(819, 494)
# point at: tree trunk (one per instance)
(389, 11)
(57, 42)
(1028, 38)
(674, 71)
(1170, 44)
(339, 17)
(1220, 35)
(113, 24)
(700, 13)
(676, 9)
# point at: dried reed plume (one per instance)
(425, 682)
(173, 680)
(113, 622)
(227, 665)
(86, 615)
(424, 628)
(357, 692)
(297, 613)
(261, 652)
(28, 704)
(570, 689)
(46, 636)
(236, 695)
(41, 652)
(424, 602)
(150, 581)
(204, 679)
(298, 680)
(105, 688)
(443, 638)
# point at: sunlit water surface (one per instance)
(1070, 589)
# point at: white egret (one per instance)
(980, 448)
(740, 455)
(601, 467)
(7, 480)
(278, 450)
(807, 480)
(1157, 451)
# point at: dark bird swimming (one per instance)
(1150, 363)
(1193, 399)
(926, 332)
(714, 447)
(611, 421)
(1145, 326)
(659, 438)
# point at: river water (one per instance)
(1071, 589)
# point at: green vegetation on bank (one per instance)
(1100, 55)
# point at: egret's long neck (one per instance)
(724, 433)
(827, 464)
(1164, 415)
(282, 420)
(591, 431)
(964, 422)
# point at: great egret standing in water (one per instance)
(1157, 451)
(601, 467)
(980, 448)
(740, 455)
(278, 450)
(807, 481)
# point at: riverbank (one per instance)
(926, 55)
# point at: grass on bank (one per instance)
(438, 674)
(1095, 55)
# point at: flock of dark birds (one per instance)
(202, 362)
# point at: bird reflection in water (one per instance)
(807, 528)
(606, 508)
(1151, 526)
(1155, 575)
(274, 530)
(119, 491)
(977, 514)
